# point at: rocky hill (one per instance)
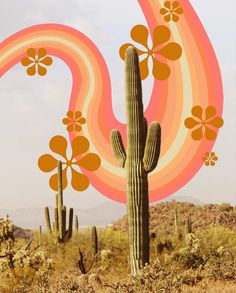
(162, 216)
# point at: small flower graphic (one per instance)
(36, 60)
(209, 159)
(171, 11)
(80, 145)
(161, 35)
(207, 123)
(73, 120)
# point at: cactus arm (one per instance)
(70, 228)
(152, 147)
(47, 218)
(118, 147)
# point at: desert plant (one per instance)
(94, 240)
(59, 224)
(76, 224)
(143, 149)
(189, 225)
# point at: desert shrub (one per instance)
(224, 207)
(218, 236)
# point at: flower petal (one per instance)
(210, 112)
(124, 47)
(143, 66)
(167, 4)
(81, 120)
(47, 163)
(160, 70)
(80, 145)
(171, 51)
(207, 163)
(79, 181)
(78, 114)
(167, 17)
(197, 134)
(31, 70)
(41, 70)
(197, 112)
(42, 52)
(190, 123)
(161, 34)
(212, 154)
(204, 159)
(175, 4)
(58, 145)
(70, 127)
(179, 10)
(90, 162)
(53, 181)
(175, 17)
(46, 61)
(66, 121)
(31, 52)
(139, 34)
(217, 122)
(77, 127)
(209, 133)
(212, 163)
(215, 158)
(164, 11)
(26, 61)
(70, 114)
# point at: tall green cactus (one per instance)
(59, 224)
(142, 156)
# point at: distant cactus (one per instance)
(189, 228)
(94, 240)
(76, 224)
(47, 218)
(143, 149)
(176, 222)
(59, 224)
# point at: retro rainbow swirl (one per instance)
(195, 80)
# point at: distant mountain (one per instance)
(101, 215)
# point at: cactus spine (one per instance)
(142, 156)
(94, 240)
(59, 224)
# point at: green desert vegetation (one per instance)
(201, 261)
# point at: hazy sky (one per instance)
(31, 112)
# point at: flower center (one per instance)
(69, 163)
(150, 52)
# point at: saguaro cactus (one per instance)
(59, 224)
(143, 149)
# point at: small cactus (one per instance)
(189, 227)
(59, 224)
(76, 224)
(94, 240)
